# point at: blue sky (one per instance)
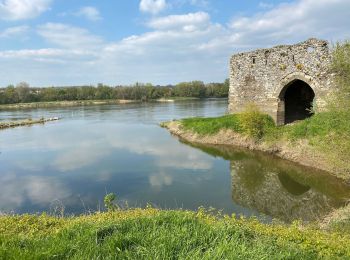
(74, 42)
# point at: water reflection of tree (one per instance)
(279, 188)
(252, 172)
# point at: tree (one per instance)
(48, 94)
(103, 92)
(11, 95)
(23, 92)
(190, 89)
(86, 92)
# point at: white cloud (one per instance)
(152, 6)
(295, 21)
(179, 157)
(14, 31)
(78, 158)
(16, 190)
(265, 5)
(166, 56)
(77, 153)
(49, 52)
(90, 13)
(69, 36)
(22, 9)
(161, 179)
(47, 67)
(189, 21)
(176, 47)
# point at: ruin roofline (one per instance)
(309, 42)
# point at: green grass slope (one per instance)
(156, 234)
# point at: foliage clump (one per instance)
(341, 69)
(254, 123)
(109, 201)
(251, 122)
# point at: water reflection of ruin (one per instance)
(280, 191)
(278, 195)
(279, 188)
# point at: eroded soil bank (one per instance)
(28, 122)
(299, 152)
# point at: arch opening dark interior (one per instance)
(298, 97)
(292, 186)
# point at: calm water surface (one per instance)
(94, 150)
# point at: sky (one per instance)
(120, 42)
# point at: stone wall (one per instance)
(262, 76)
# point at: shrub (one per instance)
(254, 123)
(299, 66)
(341, 68)
(109, 202)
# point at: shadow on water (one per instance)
(279, 188)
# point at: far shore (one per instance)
(72, 103)
(65, 103)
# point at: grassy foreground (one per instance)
(156, 234)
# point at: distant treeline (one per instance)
(23, 93)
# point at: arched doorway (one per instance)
(296, 101)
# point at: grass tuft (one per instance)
(212, 125)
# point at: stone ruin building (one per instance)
(285, 81)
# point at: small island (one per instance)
(28, 122)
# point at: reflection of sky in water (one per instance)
(115, 148)
(122, 149)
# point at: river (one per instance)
(69, 165)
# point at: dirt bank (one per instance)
(4, 125)
(300, 152)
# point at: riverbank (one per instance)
(160, 234)
(89, 103)
(28, 122)
(320, 142)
